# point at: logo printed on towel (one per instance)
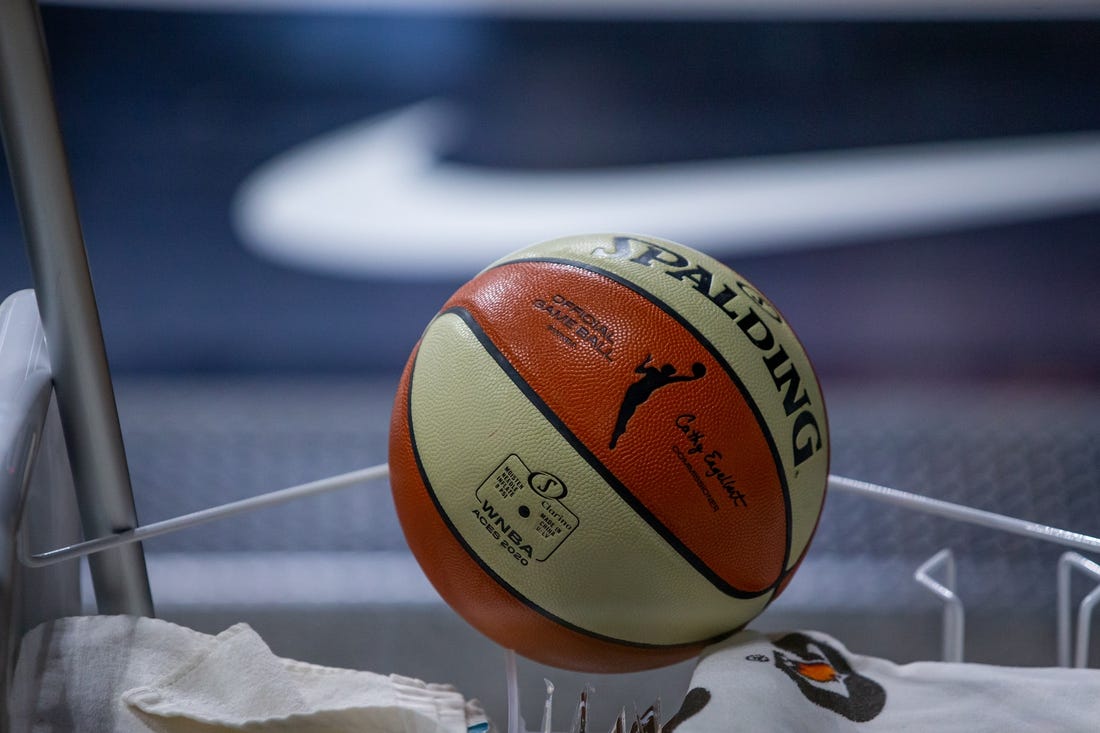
(825, 678)
(820, 673)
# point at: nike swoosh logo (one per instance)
(375, 198)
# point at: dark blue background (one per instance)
(165, 113)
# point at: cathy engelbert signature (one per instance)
(712, 463)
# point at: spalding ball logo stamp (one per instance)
(547, 485)
(523, 510)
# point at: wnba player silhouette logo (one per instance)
(652, 379)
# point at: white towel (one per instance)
(808, 681)
(133, 675)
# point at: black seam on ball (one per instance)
(612, 480)
(714, 352)
(469, 320)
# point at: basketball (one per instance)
(608, 451)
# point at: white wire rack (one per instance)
(937, 574)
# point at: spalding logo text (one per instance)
(805, 433)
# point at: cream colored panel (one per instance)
(539, 515)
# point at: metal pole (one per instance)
(63, 287)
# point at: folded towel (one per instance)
(808, 681)
(127, 674)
